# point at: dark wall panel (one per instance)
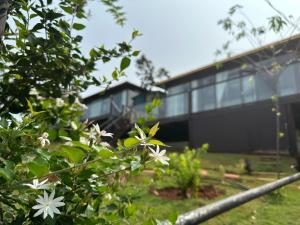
(241, 129)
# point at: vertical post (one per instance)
(190, 115)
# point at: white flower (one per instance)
(82, 106)
(159, 156)
(142, 138)
(59, 102)
(74, 125)
(33, 91)
(105, 144)
(37, 185)
(107, 196)
(84, 140)
(48, 205)
(102, 133)
(44, 139)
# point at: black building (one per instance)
(228, 104)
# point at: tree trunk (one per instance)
(4, 7)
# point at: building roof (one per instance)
(114, 89)
(230, 59)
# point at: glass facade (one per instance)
(120, 99)
(228, 93)
(248, 89)
(98, 108)
(287, 83)
(224, 89)
(176, 105)
(203, 99)
(263, 87)
(178, 89)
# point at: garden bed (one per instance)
(175, 193)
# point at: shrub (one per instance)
(185, 168)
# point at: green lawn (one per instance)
(279, 208)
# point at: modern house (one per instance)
(226, 104)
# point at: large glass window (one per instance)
(228, 93)
(226, 75)
(176, 105)
(120, 99)
(203, 81)
(178, 89)
(203, 99)
(98, 108)
(248, 89)
(287, 81)
(263, 87)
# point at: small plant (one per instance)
(185, 169)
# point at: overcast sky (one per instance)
(179, 35)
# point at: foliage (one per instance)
(147, 72)
(41, 51)
(80, 166)
(54, 169)
(185, 168)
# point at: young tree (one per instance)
(268, 62)
(148, 74)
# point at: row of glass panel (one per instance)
(244, 90)
(102, 106)
(232, 92)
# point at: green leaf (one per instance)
(130, 210)
(135, 34)
(74, 154)
(78, 26)
(80, 145)
(105, 153)
(38, 167)
(62, 132)
(124, 63)
(30, 106)
(115, 75)
(156, 142)
(135, 165)
(38, 26)
(6, 173)
(129, 142)
(154, 130)
(136, 53)
(93, 53)
(67, 9)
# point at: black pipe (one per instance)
(207, 212)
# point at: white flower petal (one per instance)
(39, 212)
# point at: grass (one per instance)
(281, 207)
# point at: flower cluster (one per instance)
(96, 135)
(156, 155)
(44, 139)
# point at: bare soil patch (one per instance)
(174, 193)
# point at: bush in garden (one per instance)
(185, 168)
(73, 180)
(53, 168)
